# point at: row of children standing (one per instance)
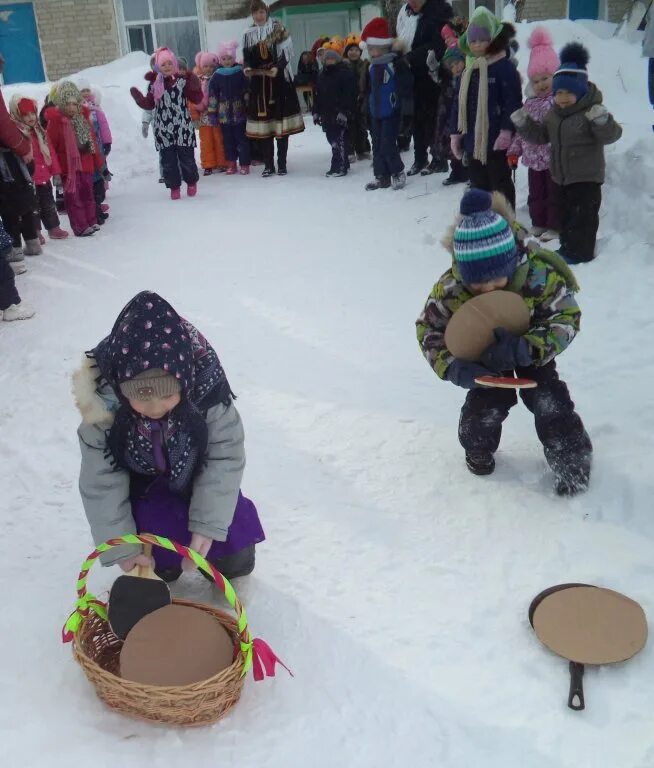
(560, 132)
(70, 140)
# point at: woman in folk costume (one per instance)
(212, 152)
(174, 134)
(274, 110)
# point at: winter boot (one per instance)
(480, 462)
(18, 267)
(550, 234)
(451, 180)
(416, 168)
(192, 190)
(57, 233)
(383, 182)
(15, 255)
(398, 181)
(96, 227)
(231, 168)
(537, 231)
(572, 483)
(335, 174)
(269, 170)
(244, 170)
(32, 248)
(87, 232)
(18, 312)
(175, 193)
(281, 169)
(207, 172)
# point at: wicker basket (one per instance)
(97, 650)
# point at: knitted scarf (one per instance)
(481, 123)
(149, 333)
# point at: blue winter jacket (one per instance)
(504, 98)
(391, 84)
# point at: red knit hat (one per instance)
(25, 106)
(376, 32)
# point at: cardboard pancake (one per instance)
(588, 625)
(470, 329)
(176, 645)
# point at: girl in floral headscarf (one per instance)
(71, 136)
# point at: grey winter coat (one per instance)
(105, 491)
(577, 151)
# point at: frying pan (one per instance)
(587, 625)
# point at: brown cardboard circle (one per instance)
(470, 329)
(176, 645)
(590, 625)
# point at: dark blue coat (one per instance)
(227, 93)
(336, 92)
(504, 98)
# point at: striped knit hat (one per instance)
(484, 245)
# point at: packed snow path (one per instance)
(393, 583)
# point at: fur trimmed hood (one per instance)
(93, 408)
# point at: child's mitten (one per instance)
(456, 145)
(508, 353)
(463, 373)
(503, 141)
(519, 117)
(598, 113)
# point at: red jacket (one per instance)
(11, 136)
(42, 171)
(55, 133)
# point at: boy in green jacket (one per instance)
(487, 257)
(578, 126)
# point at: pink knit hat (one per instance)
(206, 59)
(543, 59)
(227, 49)
(164, 54)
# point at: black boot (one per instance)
(268, 171)
(207, 172)
(383, 182)
(416, 168)
(480, 462)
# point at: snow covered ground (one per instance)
(394, 583)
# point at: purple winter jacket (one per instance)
(534, 156)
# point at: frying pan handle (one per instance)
(576, 695)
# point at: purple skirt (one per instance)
(165, 513)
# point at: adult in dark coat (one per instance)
(432, 16)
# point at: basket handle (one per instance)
(255, 654)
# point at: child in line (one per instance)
(391, 84)
(543, 201)
(228, 95)
(71, 136)
(212, 148)
(577, 127)
(174, 134)
(11, 307)
(24, 111)
(358, 142)
(486, 257)
(454, 61)
(489, 92)
(307, 76)
(162, 444)
(101, 174)
(334, 105)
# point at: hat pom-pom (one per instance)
(575, 53)
(540, 36)
(475, 201)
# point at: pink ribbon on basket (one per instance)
(264, 660)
